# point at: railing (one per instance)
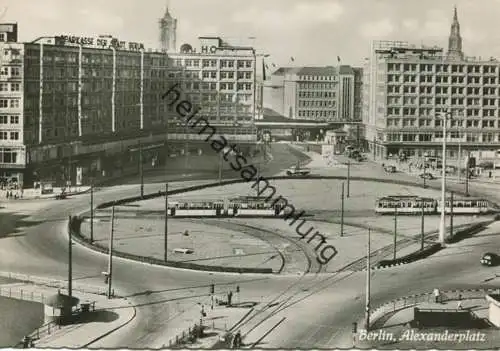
(413, 300)
(196, 332)
(22, 294)
(53, 283)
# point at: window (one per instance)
(4, 103)
(15, 87)
(13, 119)
(8, 156)
(3, 135)
(4, 87)
(14, 71)
(14, 135)
(14, 103)
(2, 37)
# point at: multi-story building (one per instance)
(222, 78)
(410, 90)
(69, 105)
(326, 94)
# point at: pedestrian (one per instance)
(459, 305)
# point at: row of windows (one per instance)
(413, 111)
(5, 135)
(469, 102)
(9, 103)
(317, 94)
(324, 113)
(413, 67)
(10, 71)
(327, 78)
(484, 137)
(213, 63)
(5, 119)
(317, 103)
(412, 122)
(395, 89)
(392, 78)
(10, 86)
(96, 58)
(326, 86)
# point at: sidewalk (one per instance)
(108, 316)
(30, 194)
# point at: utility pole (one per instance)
(368, 272)
(70, 258)
(424, 176)
(467, 175)
(141, 170)
(166, 223)
(92, 211)
(451, 214)
(110, 262)
(422, 227)
(348, 178)
(395, 229)
(342, 212)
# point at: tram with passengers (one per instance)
(413, 205)
(237, 206)
(405, 204)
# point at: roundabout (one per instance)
(272, 243)
(319, 308)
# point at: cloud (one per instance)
(305, 14)
(376, 29)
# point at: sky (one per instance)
(314, 32)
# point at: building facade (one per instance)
(408, 90)
(326, 94)
(222, 79)
(65, 97)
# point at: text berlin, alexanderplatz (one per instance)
(248, 172)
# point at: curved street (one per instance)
(319, 308)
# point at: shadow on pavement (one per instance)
(95, 317)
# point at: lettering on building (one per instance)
(98, 43)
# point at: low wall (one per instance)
(413, 300)
(74, 227)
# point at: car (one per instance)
(298, 171)
(183, 250)
(390, 169)
(427, 176)
(490, 259)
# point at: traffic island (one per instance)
(190, 245)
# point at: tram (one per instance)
(466, 206)
(413, 205)
(405, 205)
(239, 206)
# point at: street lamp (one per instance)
(442, 224)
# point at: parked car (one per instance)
(427, 175)
(490, 259)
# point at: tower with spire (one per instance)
(168, 31)
(455, 40)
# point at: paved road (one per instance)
(323, 312)
(158, 293)
(321, 308)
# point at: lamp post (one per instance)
(368, 283)
(442, 224)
